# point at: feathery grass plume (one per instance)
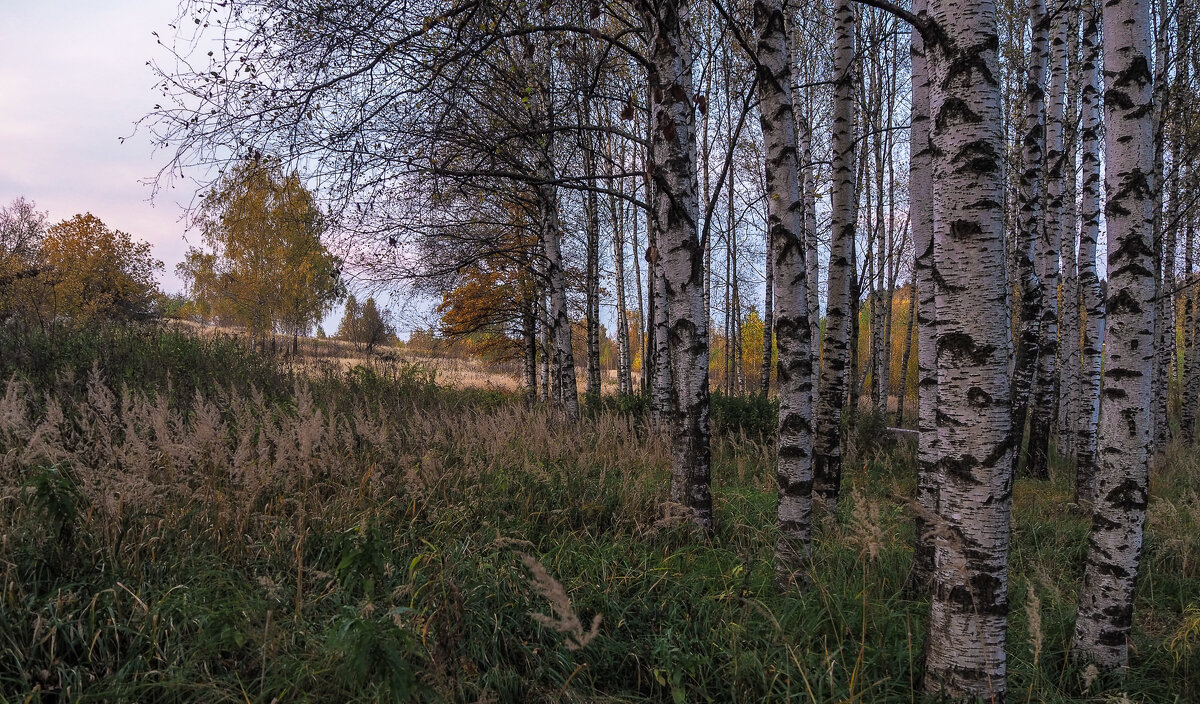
(564, 619)
(1033, 612)
(866, 530)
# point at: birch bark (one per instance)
(567, 394)
(1118, 516)
(785, 224)
(1069, 355)
(808, 193)
(835, 350)
(675, 211)
(1045, 390)
(920, 186)
(1089, 282)
(969, 595)
(1030, 218)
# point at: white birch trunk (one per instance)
(785, 224)
(920, 186)
(624, 354)
(559, 323)
(1045, 390)
(1069, 355)
(1114, 550)
(813, 294)
(1030, 219)
(764, 384)
(1089, 283)
(675, 211)
(969, 595)
(835, 349)
(1191, 360)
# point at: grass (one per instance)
(222, 530)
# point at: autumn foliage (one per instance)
(263, 265)
(79, 269)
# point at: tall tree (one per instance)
(1069, 328)
(91, 272)
(675, 210)
(835, 343)
(969, 595)
(1089, 283)
(264, 265)
(1045, 392)
(1030, 217)
(1105, 614)
(921, 205)
(785, 224)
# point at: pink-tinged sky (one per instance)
(73, 80)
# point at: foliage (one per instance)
(22, 229)
(365, 325)
(751, 414)
(264, 265)
(751, 329)
(359, 536)
(91, 272)
(171, 362)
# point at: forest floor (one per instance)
(186, 521)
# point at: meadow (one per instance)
(183, 520)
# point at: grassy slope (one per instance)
(360, 537)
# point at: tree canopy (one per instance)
(92, 271)
(263, 264)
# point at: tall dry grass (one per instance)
(364, 535)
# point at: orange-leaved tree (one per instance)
(264, 265)
(91, 272)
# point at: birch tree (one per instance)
(675, 211)
(1030, 217)
(835, 344)
(921, 205)
(1089, 283)
(969, 594)
(1045, 390)
(785, 224)
(1105, 614)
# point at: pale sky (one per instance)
(73, 80)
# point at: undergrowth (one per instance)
(259, 536)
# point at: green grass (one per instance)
(387, 565)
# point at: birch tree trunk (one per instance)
(675, 211)
(567, 394)
(835, 350)
(1191, 361)
(592, 275)
(530, 345)
(808, 194)
(1030, 220)
(1089, 282)
(768, 319)
(1068, 393)
(644, 327)
(1164, 310)
(906, 357)
(920, 187)
(662, 397)
(544, 319)
(969, 596)
(1045, 390)
(624, 356)
(785, 224)
(1119, 512)
(1190, 392)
